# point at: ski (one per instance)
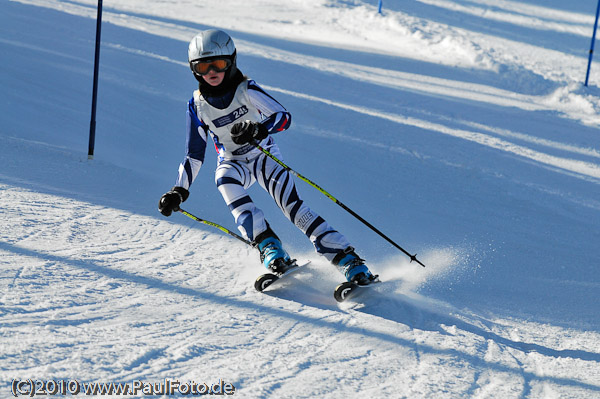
(266, 280)
(347, 290)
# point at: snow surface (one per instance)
(459, 128)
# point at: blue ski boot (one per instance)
(272, 254)
(353, 267)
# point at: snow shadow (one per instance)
(395, 308)
(421, 315)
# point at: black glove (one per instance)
(247, 132)
(171, 200)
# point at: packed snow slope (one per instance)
(461, 129)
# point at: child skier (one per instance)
(236, 112)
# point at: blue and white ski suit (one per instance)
(240, 166)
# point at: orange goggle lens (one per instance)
(203, 67)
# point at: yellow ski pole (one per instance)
(213, 224)
(331, 197)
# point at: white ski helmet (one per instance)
(211, 44)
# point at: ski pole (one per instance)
(331, 197)
(218, 226)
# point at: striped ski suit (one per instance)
(239, 167)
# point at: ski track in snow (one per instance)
(94, 291)
(385, 78)
(79, 299)
(405, 81)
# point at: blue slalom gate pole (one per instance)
(380, 4)
(587, 75)
(95, 89)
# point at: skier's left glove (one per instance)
(248, 131)
(171, 200)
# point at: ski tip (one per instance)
(348, 289)
(344, 290)
(265, 280)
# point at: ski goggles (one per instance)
(203, 67)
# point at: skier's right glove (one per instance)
(171, 200)
(247, 132)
